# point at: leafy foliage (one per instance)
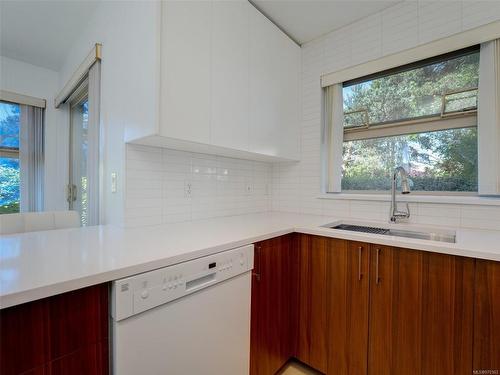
(9, 180)
(9, 167)
(10, 208)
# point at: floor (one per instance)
(295, 368)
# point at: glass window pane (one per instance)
(9, 162)
(9, 185)
(436, 161)
(413, 93)
(9, 125)
(79, 130)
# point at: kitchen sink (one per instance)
(442, 236)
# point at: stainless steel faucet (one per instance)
(395, 214)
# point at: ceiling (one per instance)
(41, 32)
(305, 20)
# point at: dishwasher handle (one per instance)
(201, 281)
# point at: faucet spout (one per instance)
(396, 214)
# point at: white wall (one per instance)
(129, 32)
(402, 26)
(27, 79)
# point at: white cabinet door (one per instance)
(274, 67)
(185, 70)
(289, 99)
(230, 65)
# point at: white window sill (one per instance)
(422, 198)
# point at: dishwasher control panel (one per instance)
(135, 294)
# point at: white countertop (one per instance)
(40, 264)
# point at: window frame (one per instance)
(439, 122)
(9, 152)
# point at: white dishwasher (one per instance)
(191, 318)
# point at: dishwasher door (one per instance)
(203, 333)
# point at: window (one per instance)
(9, 157)
(79, 114)
(422, 116)
(84, 151)
(21, 153)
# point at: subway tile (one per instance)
(439, 210)
(438, 19)
(438, 221)
(156, 178)
(477, 12)
(366, 39)
(400, 27)
(338, 50)
(336, 207)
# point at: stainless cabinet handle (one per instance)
(360, 275)
(377, 277)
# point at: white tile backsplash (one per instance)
(157, 180)
(366, 39)
(479, 12)
(438, 19)
(399, 27)
(402, 26)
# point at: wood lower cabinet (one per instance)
(487, 317)
(421, 312)
(347, 289)
(273, 299)
(362, 309)
(311, 345)
(63, 334)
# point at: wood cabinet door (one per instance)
(487, 317)
(311, 341)
(272, 299)
(347, 302)
(62, 334)
(420, 312)
(395, 340)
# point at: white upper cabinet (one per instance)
(274, 89)
(185, 70)
(230, 64)
(229, 82)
